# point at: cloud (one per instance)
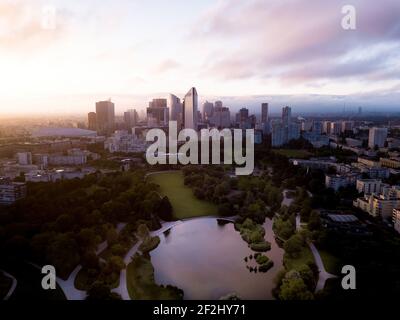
(299, 39)
(23, 25)
(167, 65)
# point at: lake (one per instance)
(206, 260)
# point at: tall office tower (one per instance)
(336, 128)
(277, 134)
(317, 127)
(105, 117)
(264, 112)
(208, 108)
(131, 118)
(286, 116)
(242, 119)
(221, 117)
(190, 109)
(158, 103)
(92, 121)
(377, 137)
(157, 113)
(218, 104)
(175, 107)
(242, 116)
(293, 131)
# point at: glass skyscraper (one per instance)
(190, 109)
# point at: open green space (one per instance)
(183, 201)
(293, 153)
(331, 263)
(141, 283)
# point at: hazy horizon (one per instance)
(63, 58)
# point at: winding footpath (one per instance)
(68, 285)
(13, 285)
(323, 274)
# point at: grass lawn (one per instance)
(331, 263)
(183, 201)
(293, 153)
(305, 257)
(141, 283)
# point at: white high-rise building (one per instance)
(190, 109)
(377, 137)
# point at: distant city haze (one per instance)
(240, 52)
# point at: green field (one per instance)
(183, 201)
(293, 153)
(331, 263)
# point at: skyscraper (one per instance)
(157, 113)
(130, 118)
(286, 116)
(92, 121)
(105, 117)
(264, 112)
(190, 109)
(377, 137)
(208, 108)
(175, 107)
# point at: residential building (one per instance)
(11, 191)
(337, 181)
(368, 186)
(377, 205)
(377, 137)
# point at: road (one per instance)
(13, 285)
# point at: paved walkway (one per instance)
(323, 274)
(13, 285)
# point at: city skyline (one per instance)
(97, 51)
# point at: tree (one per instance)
(294, 289)
(100, 291)
(294, 245)
(165, 210)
